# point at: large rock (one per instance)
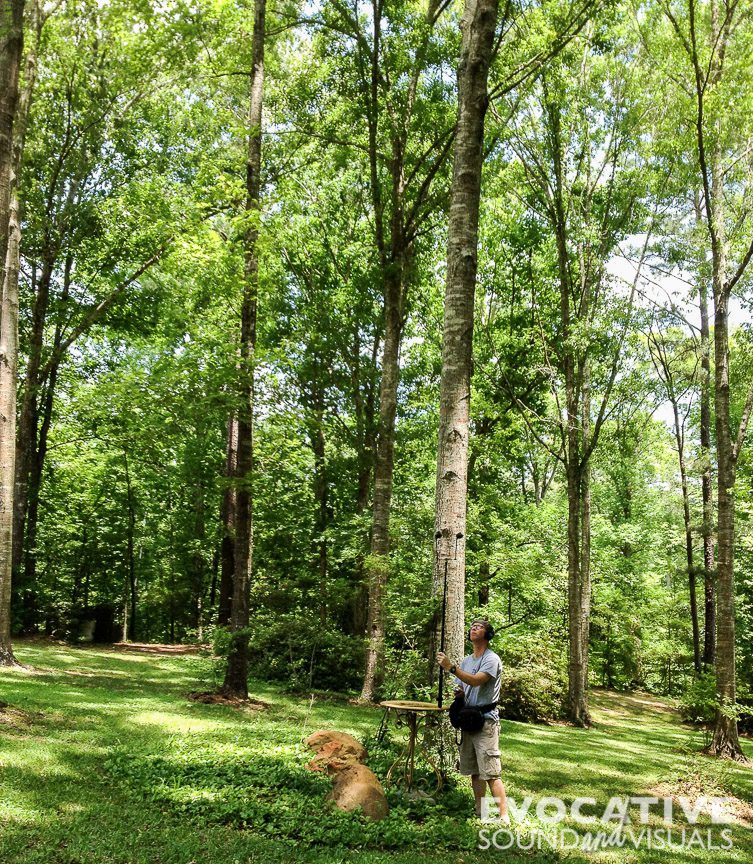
(355, 785)
(329, 745)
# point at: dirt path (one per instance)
(152, 648)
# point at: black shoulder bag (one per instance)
(469, 719)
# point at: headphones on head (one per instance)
(489, 630)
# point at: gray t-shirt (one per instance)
(487, 693)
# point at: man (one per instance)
(479, 678)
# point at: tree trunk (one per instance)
(30, 59)
(124, 631)
(707, 492)
(689, 557)
(725, 741)
(394, 243)
(227, 517)
(363, 402)
(395, 229)
(363, 398)
(577, 621)
(377, 566)
(198, 569)
(483, 583)
(688, 548)
(321, 497)
(578, 487)
(35, 477)
(663, 367)
(585, 535)
(236, 674)
(130, 557)
(11, 47)
(28, 422)
(478, 28)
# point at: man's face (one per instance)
(478, 631)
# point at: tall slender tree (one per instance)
(707, 484)
(587, 196)
(478, 28)
(78, 106)
(236, 674)
(669, 356)
(11, 47)
(396, 93)
(37, 17)
(708, 43)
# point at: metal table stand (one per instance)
(411, 714)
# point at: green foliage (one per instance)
(529, 696)
(275, 794)
(699, 703)
(125, 755)
(533, 681)
(304, 654)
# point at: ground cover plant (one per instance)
(105, 759)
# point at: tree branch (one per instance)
(743, 428)
(94, 313)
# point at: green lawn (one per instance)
(104, 759)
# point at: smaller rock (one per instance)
(356, 786)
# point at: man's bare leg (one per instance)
(497, 788)
(479, 790)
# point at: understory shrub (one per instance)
(698, 703)
(529, 697)
(300, 653)
(533, 685)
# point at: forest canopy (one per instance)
(242, 278)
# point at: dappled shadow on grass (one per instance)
(152, 648)
(58, 803)
(200, 765)
(123, 769)
(633, 704)
(163, 671)
(16, 718)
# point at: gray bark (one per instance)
(227, 518)
(30, 63)
(478, 28)
(707, 490)
(725, 741)
(377, 566)
(11, 47)
(394, 238)
(132, 588)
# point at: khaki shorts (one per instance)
(479, 752)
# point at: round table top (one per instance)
(400, 705)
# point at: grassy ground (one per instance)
(104, 759)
